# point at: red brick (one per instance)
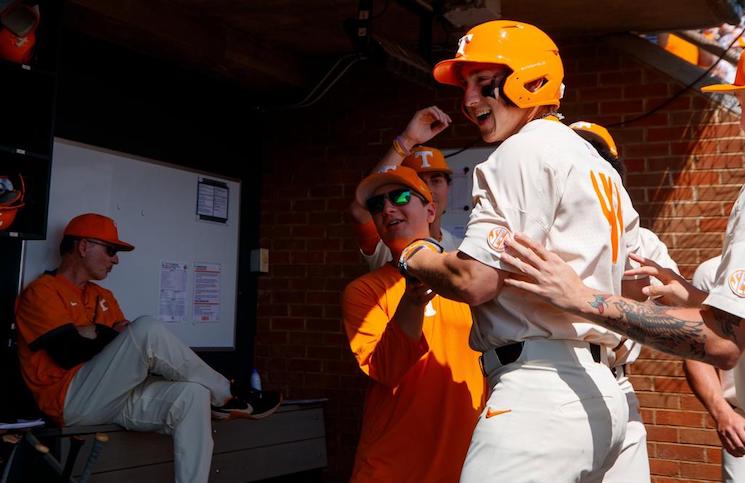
(680, 452)
(717, 193)
(698, 240)
(656, 400)
(647, 149)
(662, 433)
(671, 384)
(623, 77)
(713, 224)
(700, 471)
(664, 467)
(635, 91)
(670, 194)
(679, 418)
(698, 436)
(624, 106)
(696, 178)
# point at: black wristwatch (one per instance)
(414, 247)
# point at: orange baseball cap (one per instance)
(391, 175)
(98, 227)
(595, 131)
(424, 159)
(739, 80)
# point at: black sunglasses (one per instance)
(110, 251)
(398, 197)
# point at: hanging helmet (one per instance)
(526, 50)
(18, 32)
(590, 131)
(11, 200)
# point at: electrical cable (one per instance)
(314, 96)
(685, 89)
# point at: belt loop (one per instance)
(595, 350)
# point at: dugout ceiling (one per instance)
(275, 45)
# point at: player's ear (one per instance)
(431, 211)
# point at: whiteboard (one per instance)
(155, 208)
(460, 203)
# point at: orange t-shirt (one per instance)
(425, 396)
(49, 302)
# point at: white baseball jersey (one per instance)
(704, 279)
(733, 468)
(382, 253)
(549, 183)
(728, 292)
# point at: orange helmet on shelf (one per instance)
(526, 50)
(11, 200)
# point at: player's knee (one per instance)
(193, 399)
(144, 326)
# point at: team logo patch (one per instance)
(736, 281)
(497, 236)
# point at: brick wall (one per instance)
(685, 169)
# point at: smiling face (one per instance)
(496, 119)
(400, 225)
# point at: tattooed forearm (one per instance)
(652, 325)
(727, 322)
(599, 303)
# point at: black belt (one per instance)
(507, 354)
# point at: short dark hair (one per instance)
(67, 245)
(614, 161)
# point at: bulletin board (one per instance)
(184, 226)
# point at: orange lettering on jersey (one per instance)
(613, 213)
(737, 282)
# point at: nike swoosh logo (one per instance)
(490, 413)
(73, 304)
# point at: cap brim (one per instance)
(434, 170)
(368, 186)
(722, 88)
(444, 72)
(123, 246)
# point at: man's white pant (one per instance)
(566, 419)
(632, 465)
(146, 379)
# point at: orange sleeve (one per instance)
(40, 310)
(382, 350)
(367, 237)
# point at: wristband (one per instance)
(412, 249)
(398, 146)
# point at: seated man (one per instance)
(86, 364)
(426, 388)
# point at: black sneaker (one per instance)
(253, 405)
